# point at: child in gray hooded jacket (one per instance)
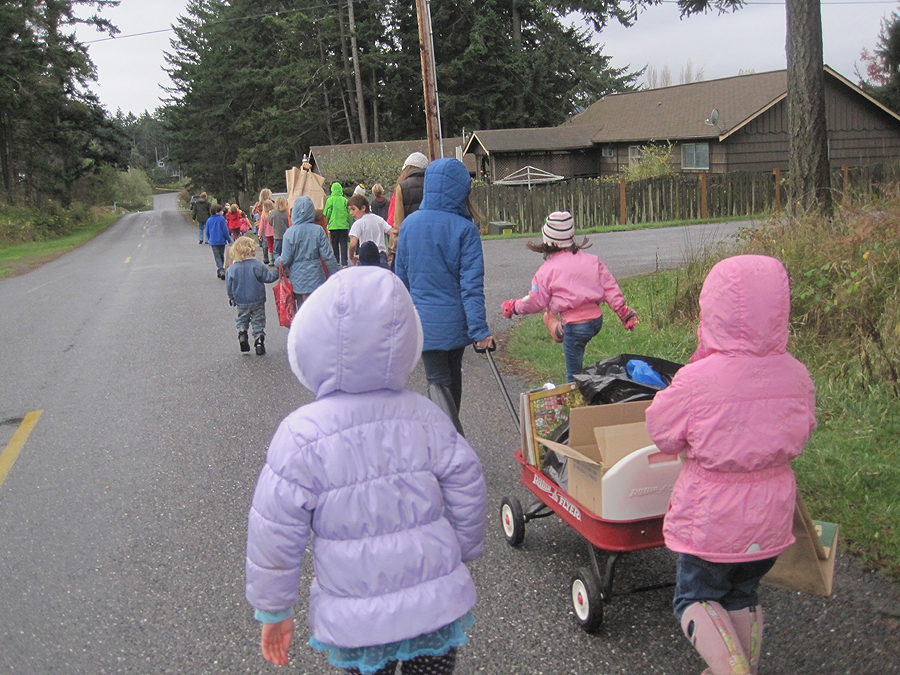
(245, 282)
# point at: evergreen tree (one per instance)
(883, 66)
(53, 130)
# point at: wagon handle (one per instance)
(509, 403)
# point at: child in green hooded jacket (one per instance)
(339, 220)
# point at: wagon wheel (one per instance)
(587, 600)
(512, 519)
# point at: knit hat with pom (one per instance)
(559, 229)
(416, 159)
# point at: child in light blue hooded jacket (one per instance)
(394, 495)
(305, 252)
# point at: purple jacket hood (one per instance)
(377, 334)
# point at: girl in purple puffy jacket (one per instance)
(571, 284)
(741, 410)
(391, 495)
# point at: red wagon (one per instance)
(591, 587)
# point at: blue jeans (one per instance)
(276, 247)
(219, 255)
(445, 367)
(201, 233)
(575, 339)
(732, 585)
(252, 317)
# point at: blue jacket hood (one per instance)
(303, 210)
(358, 332)
(447, 185)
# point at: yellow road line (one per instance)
(11, 452)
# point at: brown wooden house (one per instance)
(748, 131)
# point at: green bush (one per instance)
(21, 224)
(656, 160)
(135, 190)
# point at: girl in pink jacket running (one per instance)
(572, 284)
(741, 410)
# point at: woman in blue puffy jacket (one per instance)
(439, 258)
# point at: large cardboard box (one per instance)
(599, 437)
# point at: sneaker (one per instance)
(220, 274)
(260, 345)
(243, 341)
(200, 242)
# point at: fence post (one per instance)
(704, 197)
(622, 202)
(777, 174)
(845, 171)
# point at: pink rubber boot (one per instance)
(748, 624)
(710, 631)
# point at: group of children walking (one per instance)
(395, 496)
(245, 277)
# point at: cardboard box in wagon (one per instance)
(600, 436)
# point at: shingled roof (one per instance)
(680, 112)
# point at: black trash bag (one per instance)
(608, 381)
(554, 465)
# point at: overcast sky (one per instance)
(130, 74)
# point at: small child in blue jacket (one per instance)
(245, 282)
(216, 233)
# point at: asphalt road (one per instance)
(122, 522)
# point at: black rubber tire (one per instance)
(587, 600)
(512, 520)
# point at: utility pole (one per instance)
(432, 119)
(360, 104)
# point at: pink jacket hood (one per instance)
(369, 315)
(744, 308)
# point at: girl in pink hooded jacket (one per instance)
(741, 410)
(572, 284)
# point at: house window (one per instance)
(634, 154)
(695, 156)
(609, 151)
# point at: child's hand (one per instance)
(628, 317)
(508, 308)
(276, 640)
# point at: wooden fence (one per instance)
(598, 202)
